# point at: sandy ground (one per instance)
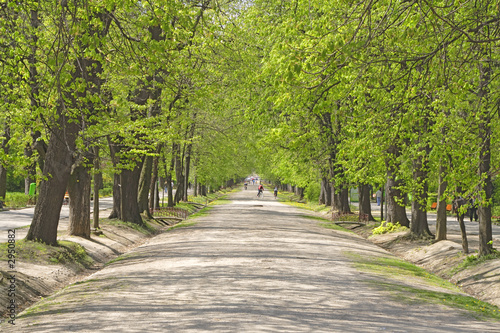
(249, 266)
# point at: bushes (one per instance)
(312, 191)
(17, 200)
(388, 227)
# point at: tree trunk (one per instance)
(179, 192)
(486, 186)
(365, 208)
(97, 186)
(3, 164)
(79, 187)
(325, 185)
(114, 149)
(145, 185)
(154, 187)
(441, 219)
(486, 192)
(203, 190)
(56, 172)
(186, 168)
(419, 225)
(457, 204)
(396, 211)
(195, 186)
(129, 180)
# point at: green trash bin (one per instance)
(32, 189)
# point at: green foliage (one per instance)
(312, 191)
(18, 200)
(474, 260)
(65, 253)
(388, 227)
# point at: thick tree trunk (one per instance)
(179, 192)
(365, 208)
(187, 170)
(457, 204)
(327, 190)
(79, 187)
(57, 168)
(97, 186)
(419, 225)
(129, 180)
(195, 186)
(486, 191)
(154, 187)
(145, 185)
(396, 211)
(441, 220)
(203, 190)
(114, 149)
(3, 164)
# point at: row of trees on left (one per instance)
(136, 84)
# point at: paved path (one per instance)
(12, 219)
(248, 266)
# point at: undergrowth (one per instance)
(388, 227)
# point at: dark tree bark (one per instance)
(56, 172)
(327, 191)
(396, 211)
(3, 166)
(144, 186)
(154, 188)
(129, 180)
(186, 168)
(114, 149)
(441, 220)
(419, 225)
(365, 208)
(458, 207)
(97, 185)
(179, 192)
(486, 186)
(79, 203)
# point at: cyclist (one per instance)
(261, 191)
(246, 185)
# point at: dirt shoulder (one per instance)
(40, 270)
(444, 259)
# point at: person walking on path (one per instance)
(276, 192)
(378, 194)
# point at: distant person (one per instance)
(260, 191)
(378, 194)
(275, 192)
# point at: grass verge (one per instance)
(65, 252)
(474, 260)
(402, 270)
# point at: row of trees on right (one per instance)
(401, 93)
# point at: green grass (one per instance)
(396, 268)
(201, 212)
(292, 200)
(182, 224)
(120, 258)
(387, 228)
(478, 309)
(144, 228)
(326, 223)
(35, 252)
(474, 260)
